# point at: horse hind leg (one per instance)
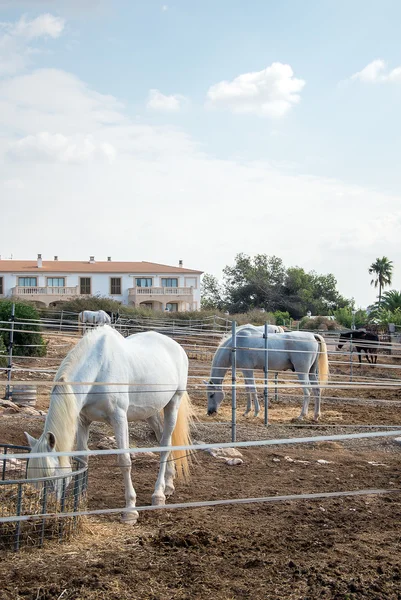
(170, 420)
(305, 383)
(314, 380)
(156, 423)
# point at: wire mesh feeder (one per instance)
(21, 497)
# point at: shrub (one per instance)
(27, 340)
(282, 318)
(319, 323)
(345, 317)
(3, 353)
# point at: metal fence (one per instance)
(43, 500)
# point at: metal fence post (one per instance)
(351, 360)
(266, 374)
(275, 386)
(233, 381)
(10, 353)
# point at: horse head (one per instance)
(215, 396)
(48, 466)
(344, 338)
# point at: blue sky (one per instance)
(201, 160)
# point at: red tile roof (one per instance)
(77, 266)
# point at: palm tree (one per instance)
(382, 269)
(391, 300)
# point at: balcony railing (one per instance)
(20, 290)
(161, 291)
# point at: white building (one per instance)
(153, 285)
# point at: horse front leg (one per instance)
(252, 394)
(83, 435)
(304, 381)
(170, 420)
(120, 426)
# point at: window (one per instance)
(169, 282)
(56, 281)
(115, 286)
(172, 306)
(27, 281)
(144, 282)
(1, 286)
(190, 282)
(85, 285)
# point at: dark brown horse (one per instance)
(364, 340)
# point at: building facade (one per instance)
(152, 285)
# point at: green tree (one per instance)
(254, 283)
(382, 269)
(27, 338)
(211, 293)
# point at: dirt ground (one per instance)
(341, 548)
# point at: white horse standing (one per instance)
(302, 352)
(153, 371)
(92, 317)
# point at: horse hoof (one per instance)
(169, 491)
(246, 413)
(130, 518)
(297, 419)
(158, 500)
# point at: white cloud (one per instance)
(161, 102)
(13, 184)
(49, 147)
(15, 53)
(164, 7)
(42, 26)
(56, 133)
(271, 92)
(377, 72)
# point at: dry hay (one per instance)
(36, 501)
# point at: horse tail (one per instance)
(181, 437)
(80, 320)
(323, 360)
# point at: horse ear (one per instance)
(51, 441)
(31, 440)
(205, 382)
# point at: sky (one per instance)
(155, 131)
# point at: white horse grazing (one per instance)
(153, 370)
(92, 317)
(302, 352)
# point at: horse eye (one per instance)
(212, 395)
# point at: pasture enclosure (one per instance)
(308, 538)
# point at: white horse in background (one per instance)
(302, 352)
(153, 371)
(92, 318)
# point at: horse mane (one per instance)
(78, 350)
(63, 414)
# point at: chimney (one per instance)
(109, 259)
(39, 261)
(56, 258)
(180, 263)
(92, 259)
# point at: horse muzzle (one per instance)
(211, 412)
